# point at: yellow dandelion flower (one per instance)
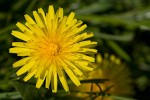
(111, 68)
(52, 46)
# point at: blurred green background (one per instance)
(121, 27)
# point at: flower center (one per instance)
(51, 49)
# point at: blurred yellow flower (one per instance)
(52, 46)
(111, 68)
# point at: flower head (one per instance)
(52, 46)
(108, 68)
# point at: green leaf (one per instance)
(31, 6)
(118, 50)
(94, 7)
(18, 5)
(28, 91)
(113, 20)
(124, 37)
(10, 95)
(8, 28)
(120, 98)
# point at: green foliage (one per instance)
(27, 91)
(10, 95)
